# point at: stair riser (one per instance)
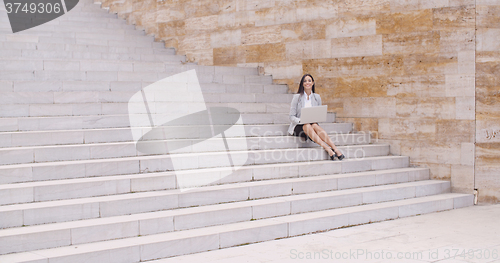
(89, 109)
(149, 226)
(118, 167)
(166, 181)
(123, 135)
(107, 91)
(90, 152)
(8, 47)
(92, 208)
(117, 121)
(149, 249)
(130, 75)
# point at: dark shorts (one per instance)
(299, 131)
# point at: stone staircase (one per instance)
(74, 187)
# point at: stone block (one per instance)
(408, 21)
(449, 18)
(211, 218)
(465, 108)
(236, 19)
(268, 210)
(229, 55)
(265, 53)
(345, 27)
(310, 49)
(195, 42)
(325, 201)
(411, 43)
(314, 186)
(270, 190)
(441, 108)
(205, 23)
(485, 39)
(178, 245)
(197, 198)
(31, 241)
(141, 203)
(226, 38)
(407, 129)
(312, 222)
(425, 207)
(462, 179)
(460, 85)
(151, 226)
(373, 215)
(371, 107)
(357, 46)
(356, 181)
(261, 35)
(61, 213)
(16, 195)
(101, 232)
(457, 41)
(258, 232)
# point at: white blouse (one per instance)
(307, 102)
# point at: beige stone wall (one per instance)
(487, 169)
(403, 68)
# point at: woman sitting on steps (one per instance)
(306, 97)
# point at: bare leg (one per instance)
(324, 136)
(308, 129)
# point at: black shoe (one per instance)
(333, 157)
(339, 157)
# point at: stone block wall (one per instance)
(487, 170)
(406, 69)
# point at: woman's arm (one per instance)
(293, 110)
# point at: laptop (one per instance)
(313, 114)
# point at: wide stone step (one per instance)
(93, 230)
(131, 40)
(85, 109)
(100, 34)
(45, 212)
(58, 137)
(117, 121)
(218, 170)
(119, 75)
(72, 55)
(88, 65)
(42, 154)
(27, 46)
(210, 238)
(134, 183)
(107, 91)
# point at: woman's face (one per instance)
(308, 83)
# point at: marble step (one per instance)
(72, 55)
(215, 169)
(43, 154)
(117, 121)
(134, 183)
(72, 66)
(119, 75)
(91, 136)
(117, 227)
(45, 212)
(85, 109)
(18, 92)
(27, 46)
(99, 34)
(210, 238)
(134, 41)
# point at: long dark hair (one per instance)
(301, 85)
